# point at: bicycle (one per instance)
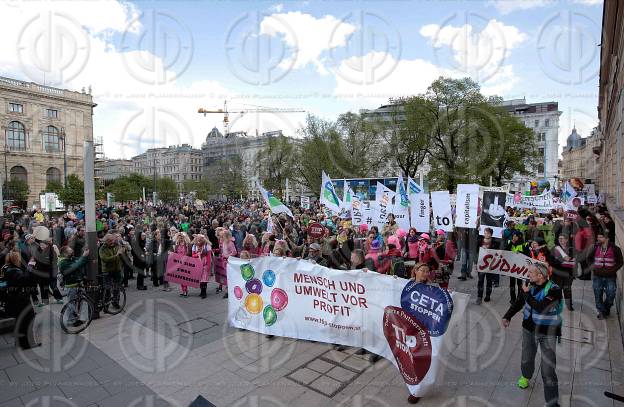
(84, 308)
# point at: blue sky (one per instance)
(152, 64)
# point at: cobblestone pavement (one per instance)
(167, 350)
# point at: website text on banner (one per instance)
(505, 263)
(183, 270)
(401, 320)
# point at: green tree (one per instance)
(130, 187)
(276, 162)
(167, 189)
(203, 189)
(16, 190)
(73, 192)
(361, 140)
(406, 132)
(53, 186)
(227, 178)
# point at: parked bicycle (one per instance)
(78, 313)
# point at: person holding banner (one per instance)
(516, 245)
(487, 278)
(182, 245)
(541, 325)
(202, 250)
(411, 247)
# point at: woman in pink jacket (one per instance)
(227, 249)
(203, 251)
(182, 245)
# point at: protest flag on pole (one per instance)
(329, 197)
(401, 205)
(568, 192)
(274, 204)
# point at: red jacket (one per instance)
(584, 242)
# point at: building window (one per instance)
(16, 108)
(19, 173)
(51, 140)
(540, 168)
(52, 113)
(547, 122)
(53, 175)
(541, 151)
(16, 136)
(536, 123)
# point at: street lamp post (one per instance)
(62, 137)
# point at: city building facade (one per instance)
(218, 147)
(179, 163)
(109, 170)
(43, 128)
(611, 118)
(543, 119)
(579, 159)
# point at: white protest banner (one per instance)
(441, 204)
(589, 189)
(368, 209)
(467, 205)
(401, 320)
(401, 206)
(305, 202)
(383, 200)
(419, 212)
(542, 203)
(575, 203)
(357, 214)
(346, 204)
(592, 199)
(504, 263)
(493, 213)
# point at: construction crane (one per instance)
(255, 109)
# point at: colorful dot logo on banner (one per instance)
(268, 277)
(269, 314)
(279, 299)
(431, 305)
(247, 272)
(253, 303)
(253, 286)
(410, 344)
(238, 292)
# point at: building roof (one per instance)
(574, 140)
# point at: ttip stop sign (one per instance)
(316, 230)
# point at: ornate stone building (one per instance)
(579, 158)
(109, 170)
(38, 124)
(179, 163)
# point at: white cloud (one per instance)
(590, 2)
(509, 6)
(277, 8)
(479, 54)
(307, 36)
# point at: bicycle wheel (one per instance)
(84, 314)
(118, 301)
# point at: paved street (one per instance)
(167, 350)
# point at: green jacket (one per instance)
(73, 269)
(111, 263)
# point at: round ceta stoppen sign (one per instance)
(316, 230)
(429, 304)
(409, 342)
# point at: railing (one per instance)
(35, 87)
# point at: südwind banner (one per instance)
(401, 320)
(504, 263)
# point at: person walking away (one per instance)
(16, 296)
(139, 258)
(486, 279)
(607, 262)
(72, 269)
(110, 257)
(563, 267)
(45, 261)
(517, 245)
(541, 325)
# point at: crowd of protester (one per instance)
(134, 240)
